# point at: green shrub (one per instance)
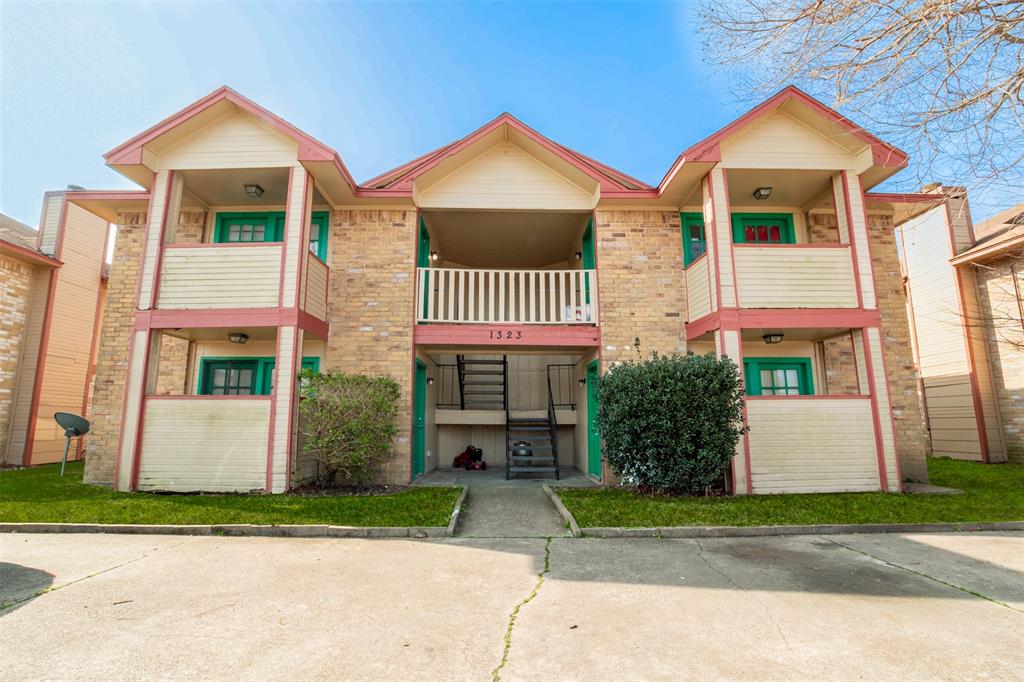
(671, 424)
(347, 423)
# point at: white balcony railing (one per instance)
(499, 296)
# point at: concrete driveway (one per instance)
(943, 606)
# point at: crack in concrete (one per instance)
(924, 575)
(53, 588)
(767, 610)
(496, 673)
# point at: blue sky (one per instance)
(380, 83)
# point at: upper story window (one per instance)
(242, 375)
(763, 228)
(694, 243)
(243, 228)
(778, 376)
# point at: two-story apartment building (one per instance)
(495, 279)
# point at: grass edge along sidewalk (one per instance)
(993, 493)
(40, 495)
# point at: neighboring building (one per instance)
(965, 285)
(495, 278)
(51, 300)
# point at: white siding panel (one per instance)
(506, 177)
(860, 240)
(232, 141)
(284, 404)
(220, 277)
(204, 444)
(152, 244)
(723, 237)
(884, 406)
(779, 141)
(812, 445)
(698, 291)
(795, 277)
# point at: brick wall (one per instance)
(372, 288)
(908, 413)
(641, 285)
(15, 284)
(998, 296)
(112, 357)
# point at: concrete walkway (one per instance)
(100, 607)
(516, 508)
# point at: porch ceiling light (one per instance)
(253, 190)
(772, 337)
(238, 337)
(762, 193)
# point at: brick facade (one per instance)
(15, 286)
(112, 359)
(999, 285)
(371, 294)
(907, 409)
(641, 285)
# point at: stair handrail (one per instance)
(460, 362)
(508, 447)
(553, 426)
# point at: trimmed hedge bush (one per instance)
(347, 422)
(671, 424)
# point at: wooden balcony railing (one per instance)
(495, 296)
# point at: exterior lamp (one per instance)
(583, 382)
(253, 190)
(433, 255)
(430, 381)
(772, 338)
(762, 193)
(579, 255)
(238, 337)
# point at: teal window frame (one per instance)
(319, 223)
(752, 368)
(263, 375)
(273, 222)
(784, 220)
(687, 221)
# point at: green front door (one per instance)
(419, 431)
(423, 261)
(593, 432)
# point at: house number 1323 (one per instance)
(506, 335)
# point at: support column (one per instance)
(144, 346)
(283, 439)
(867, 348)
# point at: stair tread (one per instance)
(483, 362)
(527, 470)
(481, 372)
(483, 383)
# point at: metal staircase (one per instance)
(532, 442)
(483, 384)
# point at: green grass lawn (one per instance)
(993, 492)
(39, 494)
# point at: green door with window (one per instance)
(419, 428)
(593, 432)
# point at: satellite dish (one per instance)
(74, 427)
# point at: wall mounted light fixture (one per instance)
(238, 337)
(433, 255)
(579, 255)
(253, 190)
(583, 382)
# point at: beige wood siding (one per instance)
(942, 353)
(812, 445)
(779, 141)
(51, 224)
(795, 277)
(235, 140)
(698, 290)
(27, 364)
(204, 444)
(315, 297)
(72, 322)
(506, 177)
(220, 277)
(874, 335)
